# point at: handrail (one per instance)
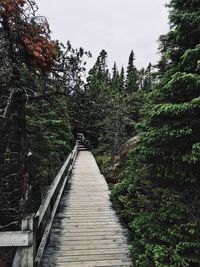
(68, 166)
(31, 241)
(45, 203)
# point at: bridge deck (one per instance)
(86, 231)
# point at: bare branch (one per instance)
(8, 104)
(44, 96)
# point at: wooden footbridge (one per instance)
(75, 224)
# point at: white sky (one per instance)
(114, 25)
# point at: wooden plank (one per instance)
(92, 238)
(85, 252)
(94, 257)
(87, 231)
(88, 246)
(85, 193)
(16, 239)
(89, 224)
(86, 242)
(64, 210)
(91, 235)
(84, 228)
(89, 220)
(86, 203)
(91, 212)
(70, 216)
(81, 207)
(112, 263)
(99, 199)
(103, 263)
(86, 207)
(98, 218)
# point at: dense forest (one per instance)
(143, 125)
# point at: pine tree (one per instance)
(161, 200)
(131, 75)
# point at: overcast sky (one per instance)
(114, 25)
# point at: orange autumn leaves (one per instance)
(39, 47)
(33, 33)
(11, 8)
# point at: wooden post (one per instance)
(28, 253)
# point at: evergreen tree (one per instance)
(109, 112)
(50, 138)
(33, 69)
(88, 107)
(145, 78)
(131, 75)
(122, 79)
(27, 48)
(115, 80)
(161, 200)
(114, 133)
(103, 61)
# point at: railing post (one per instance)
(28, 253)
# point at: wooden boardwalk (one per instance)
(86, 231)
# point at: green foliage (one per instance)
(132, 75)
(105, 111)
(104, 161)
(50, 137)
(34, 119)
(87, 106)
(145, 78)
(158, 193)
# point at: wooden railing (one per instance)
(35, 229)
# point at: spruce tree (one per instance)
(161, 200)
(26, 48)
(121, 79)
(131, 75)
(93, 100)
(50, 138)
(145, 78)
(115, 80)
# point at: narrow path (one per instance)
(86, 232)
